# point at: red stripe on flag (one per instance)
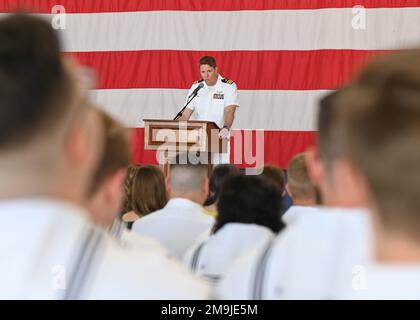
(139, 155)
(280, 147)
(251, 70)
(93, 6)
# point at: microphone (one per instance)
(194, 93)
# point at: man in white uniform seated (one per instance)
(216, 100)
(106, 190)
(381, 112)
(50, 143)
(178, 225)
(314, 257)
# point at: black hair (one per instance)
(249, 199)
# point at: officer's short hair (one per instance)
(35, 87)
(208, 60)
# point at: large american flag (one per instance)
(283, 55)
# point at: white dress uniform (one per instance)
(391, 281)
(129, 239)
(51, 250)
(313, 258)
(211, 258)
(177, 226)
(210, 104)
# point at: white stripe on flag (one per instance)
(386, 28)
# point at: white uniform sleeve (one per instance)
(129, 273)
(231, 98)
(237, 282)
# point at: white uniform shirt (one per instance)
(385, 282)
(130, 239)
(51, 250)
(210, 103)
(213, 256)
(296, 212)
(311, 259)
(176, 226)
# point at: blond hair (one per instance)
(299, 182)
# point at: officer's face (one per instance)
(208, 74)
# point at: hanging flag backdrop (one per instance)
(283, 56)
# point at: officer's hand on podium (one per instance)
(224, 133)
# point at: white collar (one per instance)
(183, 203)
(293, 208)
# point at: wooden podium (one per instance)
(170, 137)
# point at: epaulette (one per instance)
(198, 81)
(228, 81)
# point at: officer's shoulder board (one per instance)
(198, 81)
(228, 81)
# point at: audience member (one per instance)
(182, 220)
(381, 116)
(300, 187)
(249, 217)
(50, 146)
(218, 176)
(313, 257)
(147, 193)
